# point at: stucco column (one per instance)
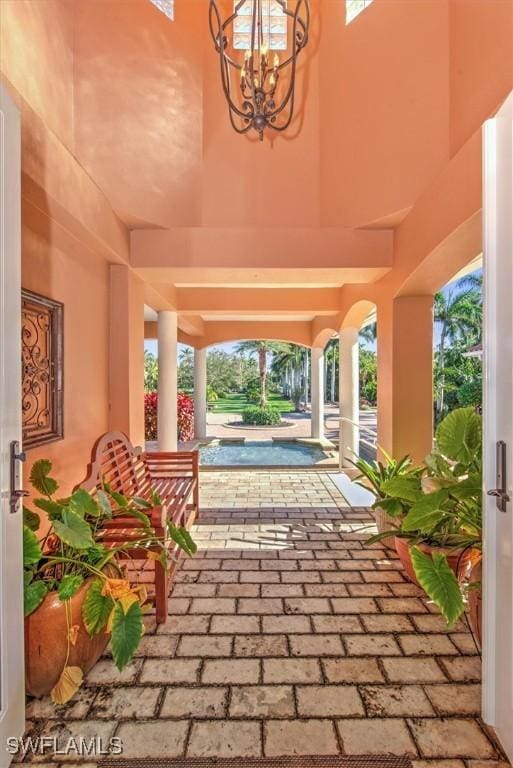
(349, 394)
(317, 409)
(126, 353)
(167, 415)
(405, 376)
(200, 393)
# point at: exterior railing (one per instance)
(360, 426)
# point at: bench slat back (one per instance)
(177, 464)
(116, 461)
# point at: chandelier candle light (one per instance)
(259, 86)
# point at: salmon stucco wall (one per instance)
(79, 279)
(70, 232)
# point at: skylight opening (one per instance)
(274, 26)
(166, 6)
(354, 8)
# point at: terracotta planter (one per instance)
(475, 608)
(458, 562)
(46, 642)
(384, 523)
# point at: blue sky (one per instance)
(152, 346)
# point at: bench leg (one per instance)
(195, 501)
(161, 594)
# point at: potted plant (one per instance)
(440, 537)
(76, 592)
(388, 511)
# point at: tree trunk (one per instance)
(441, 362)
(306, 378)
(262, 365)
(333, 371)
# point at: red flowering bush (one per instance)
(185, 407)
(150, 415)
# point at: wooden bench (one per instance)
(131, 472)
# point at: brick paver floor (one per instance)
(286, 636)
(262, 489)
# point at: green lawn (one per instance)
(235, 403)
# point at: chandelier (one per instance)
(258, 46)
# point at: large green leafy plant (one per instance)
(443, 504)
(375, 475)
(73, 552)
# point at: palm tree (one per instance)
(187, 355)
(151, 371)
(290, 363)
(369, 332)
(458, 315)
(261, 350)
(186, 368)
(332, 355)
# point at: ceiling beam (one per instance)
(292, 247)
(284, 300)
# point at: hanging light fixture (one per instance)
(258, 45)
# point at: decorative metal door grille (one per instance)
(42, 369)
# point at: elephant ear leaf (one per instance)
(182, 537)
(70, 584)
(67, 685)
(33, 596)
(40, 477)
(32, 553)
(31, 519)
(96, 608)
(104, 503)
(73, 530)
(83, 504)
(459, 435)
(52, 508)
(403, 487)
(120, 500)
(127, 630)
(425, 513)
(439, 582)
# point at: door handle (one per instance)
(16, 493)
(500, 492)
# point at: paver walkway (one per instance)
(288, 636)
(261, 489)
(301, 425)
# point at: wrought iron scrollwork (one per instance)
(42, 373)
(264, 94)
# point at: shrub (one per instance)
(470, 393)
(185, 413)
(253, 390)
(266, 416)
(212, 395)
